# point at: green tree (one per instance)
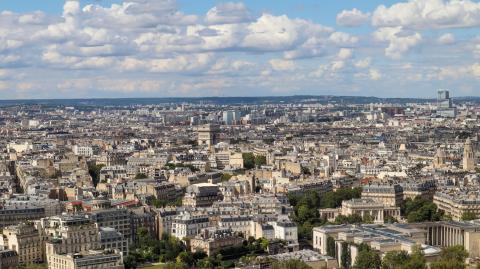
(186, 258)
(395, 259)
(248, 160)
(469, 216)
(94, 171)
(345, 258)
(140, 176)
(451, 258)
(260, 160)
(331, 247)
(420, 209)
(367, 259)
(289, 264)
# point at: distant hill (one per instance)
(323, 99)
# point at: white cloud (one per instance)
(343, 39)
(446, 39)
(345, 54)
(282, 65)
(400, 41)
(363, 63)
(374, 74)
(352, 18)
(228, 13)
(423, 14)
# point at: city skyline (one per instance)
(146, 48)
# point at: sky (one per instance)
(175, 48)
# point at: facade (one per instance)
(119, 219)
(211, 240)
(8, 259)
(468, 156)
(387, 194)
(26, 240)
(207, 135)
(87, 259)
(201, 195)
(15, 214)
(362, 207)
(455, 202)
(111, 239)
(188, 225)
(382, 238)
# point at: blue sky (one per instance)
(142, 48)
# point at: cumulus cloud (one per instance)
(282, 65)
(352, 18)
(400, 41)
(424, 14)
(228, 13)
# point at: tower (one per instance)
(439, 158)
(468, 156)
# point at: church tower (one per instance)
(468, 156)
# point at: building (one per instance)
(211, 240)
(8, 259)
(468, 156)
(439, 159)
(201, 195)
(142, 218)
(119, 219)
(164, 219)
(382, 238)
(387, 194)
(207, 135)
(112, 239)
(17, 213)
(26, 240)
(452, 233)
(445, 106)
(85, 151)
(362, 207)
(107, 259)
(68, 234)
(455, 202)
(188, 225)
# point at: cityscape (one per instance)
(183, 134)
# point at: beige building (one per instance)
(468, 156)
(362, 207)
(207, 135)
(26, 240)
(107, 259)
(211, 240)
(74, 242)
(455, 202)
(387, 194)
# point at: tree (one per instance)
(345, 259)
(395, 259)
(94, 171)
(186, 258)
(451, 258)
(367, 259)
(260, 160)
(420, 209)
(140, 176)
(331, 247)
(290, 264)
(469, 216)
(248, 160)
